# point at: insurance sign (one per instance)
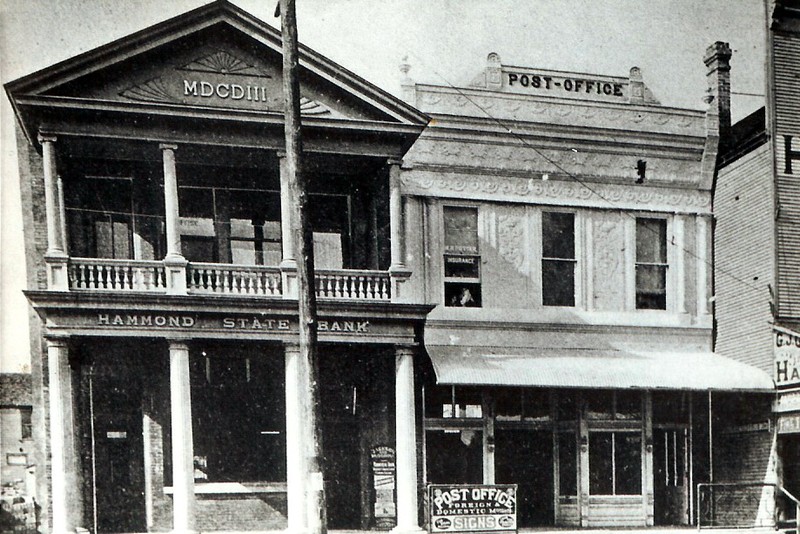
(473, 508)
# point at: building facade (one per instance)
(517, 292)
(18, 470)
(756, 206)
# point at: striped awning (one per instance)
(589, 368)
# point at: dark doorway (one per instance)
(789, 452)
(670, 476)
(118, 454)
(454, 456)
(525, 457)
(341, 442)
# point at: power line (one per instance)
(582, 183)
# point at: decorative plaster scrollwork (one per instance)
(510, 239)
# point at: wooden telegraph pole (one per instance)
(306, 295)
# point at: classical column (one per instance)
(66, 494)
(396, 216)
(182, 444)
(296, 439)
(174, 261)
(288, 260)
(56, 255)
(405, 441)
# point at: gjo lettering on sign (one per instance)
(473, 508)
(786, 350)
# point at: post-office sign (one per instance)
(473, 508)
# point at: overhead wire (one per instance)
(574, 177)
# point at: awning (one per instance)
(590, 368)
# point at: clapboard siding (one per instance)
(744, 249)
(787, 122)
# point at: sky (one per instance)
(446, 42)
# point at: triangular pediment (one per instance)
(210, 60)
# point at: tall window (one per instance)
(651, 264)
(558, 259)
(462, 262)
(26, 423)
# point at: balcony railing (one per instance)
(117, 275)
(111, 275)
(353, 285)
(226, 279)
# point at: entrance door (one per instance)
(525, 457)
(119, 455)
(342, 474)
(670, 476)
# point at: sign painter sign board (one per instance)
(472, 508)
(786, 350)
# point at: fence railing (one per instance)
(736, 505)
(117, 275)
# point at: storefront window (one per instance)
(558, 259)
(238, 412)
(613, 405)
(454, 456)
(522, 405)
(462, 273)
(615, 463)
(567, 405)
(451, 402)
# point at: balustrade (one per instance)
(100, 274)
(116, 275)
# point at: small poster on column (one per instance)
(383, 482)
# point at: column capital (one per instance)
(280, 153)
(57, 340)
(405, 350)
(46, 138)
(394, 161)
(291, 346)
(167, 146)
(177, 343)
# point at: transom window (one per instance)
(651, 264)
(615, 463)
(558, 259)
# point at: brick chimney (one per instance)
(718, 62)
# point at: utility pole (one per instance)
(306, 296)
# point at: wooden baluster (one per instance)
(81, 276)
(91, 277)
(361, 289)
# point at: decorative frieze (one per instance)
(554, 192)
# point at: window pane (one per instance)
(651, 240)
(558, 283)
(464, 295)
(462, 267)
(454, 457)
(601, 475)
(567, 405)
(461, 230)
(599, 404)
(628, 458)
(651, 287)
(196, 203)
(567, 464)
(629, 405)
(558, 235)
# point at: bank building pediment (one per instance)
(216, 61)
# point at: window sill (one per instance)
(233, 488)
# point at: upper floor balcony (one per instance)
(165, 219)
